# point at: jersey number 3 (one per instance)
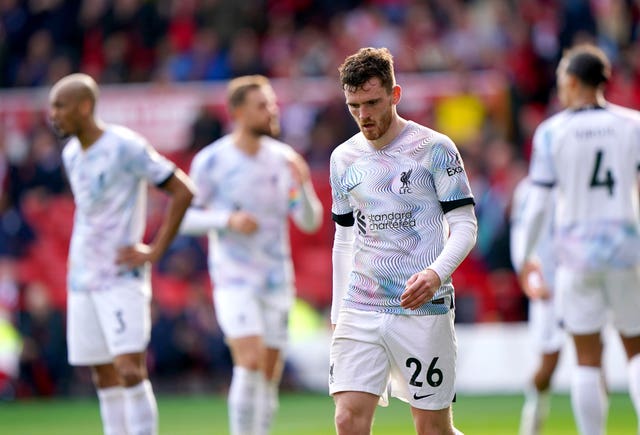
(598, 179)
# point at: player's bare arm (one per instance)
(180, 189)
(299, 168)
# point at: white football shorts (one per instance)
(415, 356)
(111, 321)
(591, 298)
(545, 325)
(244, 312)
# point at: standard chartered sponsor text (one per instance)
(394, 220)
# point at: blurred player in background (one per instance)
(404, 219)
(590, 155)
(248, 184)
(108, 325)
(544, 318)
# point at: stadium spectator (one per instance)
(44, 370)
(109, 285)
(395, 186)
(10, 341)
(248, 185)
(590, 155)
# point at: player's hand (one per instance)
(532, 282)
(420, 289)
(242, 222)
(135, 255)
(299, 168)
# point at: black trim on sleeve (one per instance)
(546, 185)
(344, 220)
(165, 181)
(447, 206)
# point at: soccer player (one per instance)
(590, 155)
(248, 184)
(404, 220)
(544, 318)
(108, 323)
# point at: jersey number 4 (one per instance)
(598, 179)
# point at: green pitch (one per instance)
(307, 414)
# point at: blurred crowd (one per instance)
(166, 41)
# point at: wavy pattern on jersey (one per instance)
(395, 233)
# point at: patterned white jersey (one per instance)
(227, 179)
(109, 185)
(544, 247)
(592, 157)
(397, 197)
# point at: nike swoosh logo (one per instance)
(353, 187)
(416, 397)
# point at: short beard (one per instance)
(271, 131)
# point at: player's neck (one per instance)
(247, 142)
(90, 134)
(395, 128)
(587, 101)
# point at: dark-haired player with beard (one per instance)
(404, 221)
(248, 184)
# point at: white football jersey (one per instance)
(227, 179)
(591, 157)
(109, 185)
(397, 198)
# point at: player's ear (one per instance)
(86, 106)
(236, 112)
(396, 94)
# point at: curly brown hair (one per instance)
(365, 64)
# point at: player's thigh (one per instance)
(583, 306)
(124, 309)
(357, 357)
(86, 341)
(623, 291)
(424, 352)
(631, 345)
(248, 352)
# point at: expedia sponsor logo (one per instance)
(455, 170)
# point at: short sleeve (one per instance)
(148, 163)
(449, 177)
(341, 208)
(541, 170)
(200, 173)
